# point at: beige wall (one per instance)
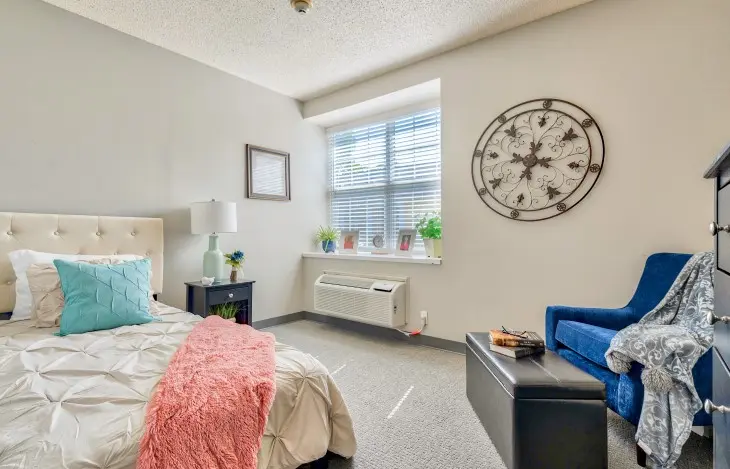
(654, 74)
(95, 122)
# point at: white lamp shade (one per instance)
(213, 217)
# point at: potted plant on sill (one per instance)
(328, 236)
(235, 260)
(226, 311)
(429, 227)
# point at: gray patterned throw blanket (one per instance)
(668, 341)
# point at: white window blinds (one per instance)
(385, 176)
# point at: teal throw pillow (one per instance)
(104, 296)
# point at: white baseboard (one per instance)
(703, 431)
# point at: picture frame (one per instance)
(349, 241)
(405, 242)
(267, 174)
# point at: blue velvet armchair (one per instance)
(582, 336)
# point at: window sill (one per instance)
(366, 256)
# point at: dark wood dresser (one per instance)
(719, 405)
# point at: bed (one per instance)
(79, 401)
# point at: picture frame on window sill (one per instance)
(405, 242)
(267, 174)
(349, 241)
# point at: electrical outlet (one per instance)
(424, 316)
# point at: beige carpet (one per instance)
(434, 427)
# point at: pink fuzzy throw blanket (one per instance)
(210, 408)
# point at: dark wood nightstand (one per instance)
(201, 297)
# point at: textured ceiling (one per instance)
(338, 43)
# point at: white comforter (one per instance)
(79, 401)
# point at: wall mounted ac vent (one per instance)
(379, 301)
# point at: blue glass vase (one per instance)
(329, 246)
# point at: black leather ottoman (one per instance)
(540, 412)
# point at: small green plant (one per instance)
(235, 259)
(327, 233)
(226, 310)
(429, 226)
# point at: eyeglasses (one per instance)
(521, 335)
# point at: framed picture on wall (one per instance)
(405, 242)
(267, 174)
(349, 241)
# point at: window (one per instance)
(385, 176)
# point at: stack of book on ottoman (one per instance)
(515, 344)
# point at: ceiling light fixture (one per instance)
(302, 6)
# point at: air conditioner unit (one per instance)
(380, 301)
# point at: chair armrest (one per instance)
(615, 319)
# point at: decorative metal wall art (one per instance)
(538, 159)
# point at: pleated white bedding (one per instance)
(79, 401)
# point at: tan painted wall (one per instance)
(654, 74)
(93, 121)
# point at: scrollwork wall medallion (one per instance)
(538, 159)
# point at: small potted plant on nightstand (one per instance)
(429, 227)
(328, 236)
(226, 311)
(235, 260)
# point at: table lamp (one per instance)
(212, 218)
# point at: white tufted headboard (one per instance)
(76, 234)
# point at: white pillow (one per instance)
(22, 259)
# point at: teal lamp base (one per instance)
(213, 260)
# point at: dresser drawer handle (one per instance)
(712, 319)
(715, 228)
(710, 408)
(230, 295)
